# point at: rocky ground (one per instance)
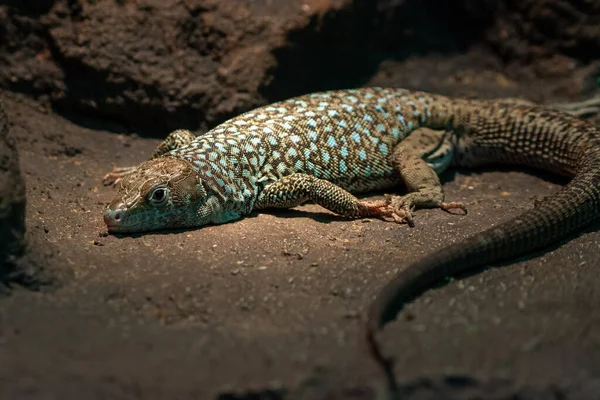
(269, 306)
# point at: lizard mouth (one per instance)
(116, 222)
(113, 228)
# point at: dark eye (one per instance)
(159, 195)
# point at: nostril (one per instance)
(112, 217)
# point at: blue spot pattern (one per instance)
(344, 136)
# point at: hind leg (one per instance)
(410, 158)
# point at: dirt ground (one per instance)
(270, 305)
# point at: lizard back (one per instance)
(344, 136)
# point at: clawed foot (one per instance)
(403, 206)
(400, 209)
(381, 209)
(116, 175)
(385, 210)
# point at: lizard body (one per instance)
(279, 156)
(323, 146)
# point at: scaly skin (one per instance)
(323, 146)
(334, 143)
(317, 147)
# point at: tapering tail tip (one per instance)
(369, 331)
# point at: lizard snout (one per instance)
(113, 217)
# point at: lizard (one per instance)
(328, 146)
(253, 160)
(318, 147)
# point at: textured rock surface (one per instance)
(528, 29)
(151, 66)
(144, 64)
(12, 203)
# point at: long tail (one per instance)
(569, 210)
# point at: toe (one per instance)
(454, 205)
(407, 217)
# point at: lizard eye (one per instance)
(159, 195)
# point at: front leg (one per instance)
(174, 140)
(296, 189)
(421, 180)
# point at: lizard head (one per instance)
(160, 193)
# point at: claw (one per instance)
(110, 179)
(408, 218)
(383, 209)
(404, 210)
(454, 205)
(116, 175)
(396, 218)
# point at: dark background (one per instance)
(270, 306)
